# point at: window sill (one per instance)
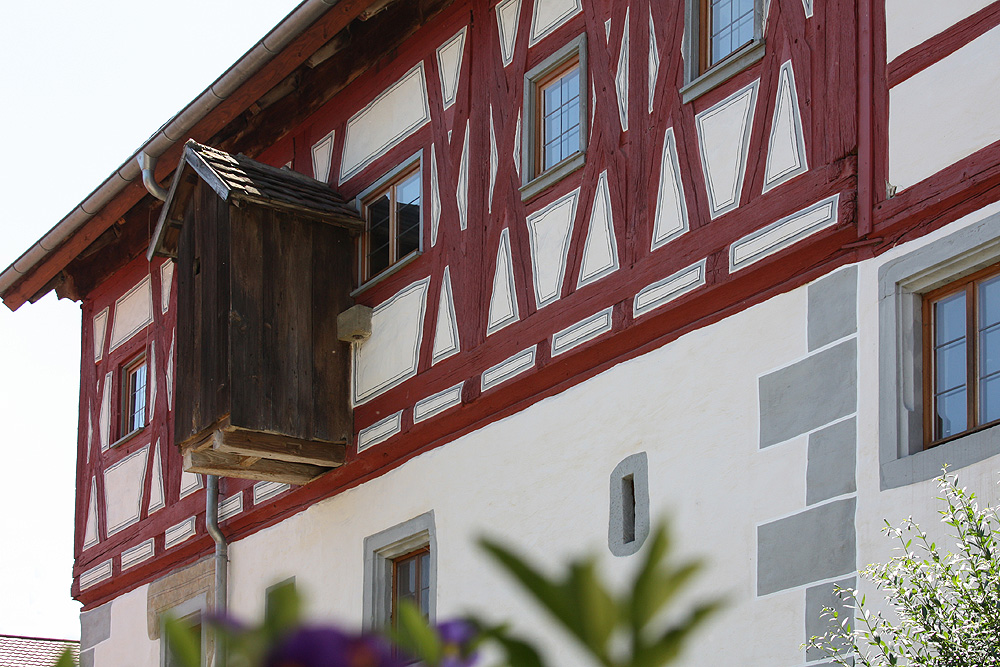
(371, 282)
(734, 64)
(547, 179)
(125, 438)
(958, 453)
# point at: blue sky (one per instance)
(84, 84)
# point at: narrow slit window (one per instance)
(628, 509)
(628, 525)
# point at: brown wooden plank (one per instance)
(211, 462)
(281, 448)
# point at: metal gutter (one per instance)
(174, 130)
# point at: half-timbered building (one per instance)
(415, 271)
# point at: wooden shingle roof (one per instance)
(18, 651)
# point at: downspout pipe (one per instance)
(148, 165)
(221, 562)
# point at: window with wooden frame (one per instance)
(133, 398)
(961, 356)
(555, 118)
(411, 582)
(723, 37)
(392, 221)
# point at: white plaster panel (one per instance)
(129, 644)
(671, 218)
(166, 284)
(621, 77)
(494, 162)
(437, 403)
(654, 61)
(264, 491)
(390, 355)
(380, 431)
(100, 333)
(786, 147)
(807, 6)
(446, 341)
(945, 112)
(503, 299)
(600, 250)
(783, 233)
(96, 575)
(123, 483)
(190, 482)
(137, 554)
(322, 157)
(231, 506)
(462, 189)
(133, 312)
(104, 418)
(170, 372)
(666, 290)
(724, 139)
(509, 368)
(549, 15)
(156, 498)
(388, 119)
(911, 22)
(517, 144)
(583, 331)
(435, 199)
(152, 370)
(178, 533)
(508, 13)
(449, 59)
(90, 535)
(550, 230)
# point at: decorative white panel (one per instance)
(190, 482)
(137, 554)
(583, 331)
(621, 78)
(786, 148)
(264, 491)
(493, 162)
(549, 15)
(100, 333)
(380, 431)
(90, 535)
(783, 233)
(322, 157)
(503, 300)
(388, 119)
(390, 355)
(178, 533)
(672, 287)
(446, 341)
(807, 5)
(509, 368)
(671, 218)
(133, 312)
(90, 427)
(654, 61)
(156, 498)
(550, 230)
(508, 13)
(600, 250)
(908, 23)
(435, 199)
(607, 31)
(724, 139)
(449, 58)
(438, 403)
(104, 419)
(166, 283)
(123, 483)
(96, 575)
(170, 372)
(517, 144)
(231, 506)
(462, 189)
(151, 371)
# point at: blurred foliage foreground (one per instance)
(626, 630)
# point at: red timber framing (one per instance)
(838, 57)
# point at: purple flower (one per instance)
(457, 637)
(329, 647)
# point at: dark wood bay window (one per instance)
(962, 356)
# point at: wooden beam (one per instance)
(212, 462)
(281, 448)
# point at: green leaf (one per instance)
(283, 609)
(415, 635)
(183, 642)
(66, 659)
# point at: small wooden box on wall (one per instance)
(264, 259)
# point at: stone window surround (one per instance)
(635, 466)
(194, 607)
(379, 550)
(901, 284)
(534, 183)
(698, 83)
